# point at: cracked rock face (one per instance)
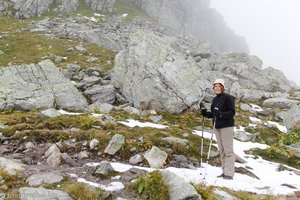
(31, 8)
(150, 71)
(101, 6)
(40, 86)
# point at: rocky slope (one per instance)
(23, 9)
(192, 17)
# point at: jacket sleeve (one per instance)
(230, 105)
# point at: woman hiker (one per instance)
(223, 111)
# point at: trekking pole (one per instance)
(212, 134)
(201, 148)
(210, 143)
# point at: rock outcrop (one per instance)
(23, 9)
(101, 6)
(291, 118)
(38, 86)
(150, 71)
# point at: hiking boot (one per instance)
(221, 176)
(227, 177)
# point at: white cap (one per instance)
(220, 81)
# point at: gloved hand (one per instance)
(204, 112)
(216, 112)
(202, 105)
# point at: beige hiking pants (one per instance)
(225, 144)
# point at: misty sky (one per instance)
(271, 28)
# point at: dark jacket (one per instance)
(224, 114)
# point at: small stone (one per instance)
(54, 159)
(185, 135)
(136, 159)
(44, 178)
(29, 145)
(50, 113)
(83, 155)
(68, 159)
(156, 157)
(115, 144)
(104, 169)
(156, 119)
(94, 143)
(92, 59)
(52, 149)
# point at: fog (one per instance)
(271, 28)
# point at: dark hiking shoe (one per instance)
(227, 177)
(221, 176)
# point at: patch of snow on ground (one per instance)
(270, 179)
(63, 112)
(132, 123)
(113, 186)
(275, 124)
(256, 108)
(91, 18)
(255, 120)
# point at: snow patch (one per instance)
(255, 120)
(63, 112)
(256, 108)
(277, 125)
(113, 186)
(98, 15)
(91, 18)
(132, 123)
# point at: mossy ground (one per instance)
(20, 46)
(151, 187)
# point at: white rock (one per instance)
(156, 157)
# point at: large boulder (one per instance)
(246, 73)
(38, 86)
(291, 118)
(44, 178)
(31, 8)
(30, 193)
(101, 93)
(151, 71)
(12, 166)
(294, 149)
(68, 5)
(196, 18)
(282, 103)
(178, 188)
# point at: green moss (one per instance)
(269, 136)
(24, 47)
(278, 154)
(205, 192)
(292, 137)
(151, 187)
(82, 191)
(12, 181)
(84, 10)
